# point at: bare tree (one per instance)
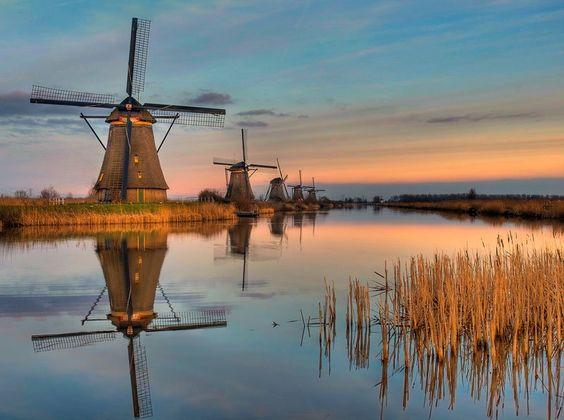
(49, 193)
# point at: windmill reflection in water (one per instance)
(132, 264)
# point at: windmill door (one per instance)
(140, 195)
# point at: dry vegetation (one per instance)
(494, 315)
(533, 208)
(14, 213)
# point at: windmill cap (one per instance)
(136, 112)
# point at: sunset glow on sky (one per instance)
(361, 93)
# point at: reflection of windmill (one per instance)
(298, 221)
(298, 190)
(239, 186)
(131, 170)
(277, 224)
(131, 266)
(312, 192)
(277, 190)
(239, 238)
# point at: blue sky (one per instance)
(359, 92)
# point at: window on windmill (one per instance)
(136, 159)
(101, 177)
(137, 277)
(139, 174)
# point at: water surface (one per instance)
(214, 320)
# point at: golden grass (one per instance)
(36, 214)
(494, 315)
(534, 208)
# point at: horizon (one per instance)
(373, 99)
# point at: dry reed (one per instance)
(358, 316)
(498, 314)
(533, 208)
(112, 214)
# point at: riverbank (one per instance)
(528, 209)
(41, 214)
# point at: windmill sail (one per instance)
(53, 96)
(139, 375)
(206, 318)
(189, 115)
(138, 49)
(70, 340)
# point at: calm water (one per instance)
(213, 351)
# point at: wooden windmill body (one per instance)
(277, 191)
(298, 190)
(132, 263)
(312, 192)
(239, 188)
(131, 170)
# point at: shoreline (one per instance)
(519, 209)
(36, 213)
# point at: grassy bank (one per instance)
(40, 214)
(532, 209)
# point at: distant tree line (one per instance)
(470, 195)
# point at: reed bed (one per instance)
(358, 319)
(496, 316)
(112, 214)
(533, 208)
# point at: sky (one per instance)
(369, 97)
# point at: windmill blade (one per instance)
(285, 178)
(205, 318)
(138, 49)
(222, 161)
(53, 96)
(255, 165)
(139, 375)
(279, 169)
(244, 142)
(70, 340)
(189, 115)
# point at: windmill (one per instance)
(239, 186)
(277, 190)
(298, 190)
(131, 170)
(131, 265)
(312, 192)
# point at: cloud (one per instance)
(17, 103)
(211, 98)
(252, 124)
(255, 112)
(473, 118)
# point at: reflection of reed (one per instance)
(327, 327)
(358, 324)
(497, 315)
(28, 237)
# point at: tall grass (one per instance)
(112, 214)
(494, 315)
(533, 208)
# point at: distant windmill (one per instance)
(298, 190)
(277, 190)
(131, 266)
(239, 186)
(131, 170)
(312, 192)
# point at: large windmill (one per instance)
(131, 170)
(131, 264)
(312, 192)
(298, 190)
(277, 190)
(239, 185)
